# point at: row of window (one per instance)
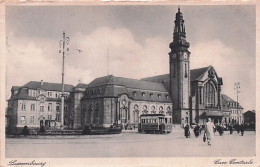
(236, 112)
(151, 95)
(136, 107)
(154, 120)
(53, 94)
(99, 91)
(232, 104)
(42, 107)
(32, 119)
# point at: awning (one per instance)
(213, 113)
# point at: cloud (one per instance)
(230, 64)
(28, 61)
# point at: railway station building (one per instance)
(189, 95)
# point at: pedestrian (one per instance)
(238, 128)
(242, 128)
(231, 129)
(187, 131)
(196, 130)
(209, 129)
(220, 130)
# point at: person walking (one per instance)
(231, 129)
(242, 129)
(197, 130)
(187, 131)
(209, 129)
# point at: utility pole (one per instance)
(107, 61)
(63, 44)
(237, 89)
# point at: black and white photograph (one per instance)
(130, 82)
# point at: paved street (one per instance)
(132, 144)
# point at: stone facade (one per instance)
(37, 102)
(190, 96)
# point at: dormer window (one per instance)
(93, 91)
(143, 94)
(159, 95)
(151, 94)
(99, 91)
(134, 93)
(167, 96)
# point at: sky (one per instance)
(136, 40)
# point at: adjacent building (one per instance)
(38, 103)
(190, 96)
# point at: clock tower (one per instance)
(180, 72)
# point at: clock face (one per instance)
(185, 55)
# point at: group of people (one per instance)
(197, 130)
(210, 130)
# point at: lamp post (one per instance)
(63, 47)
(237, 89)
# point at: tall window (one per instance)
(65, 108)
(136, 116)
(23, 120)
(32, 107)
(42, 108)
(209, 95)
(49, 107)
(57, 106)
(186, 71)
(124, 115)
(32, 120)
(23, 106)
(96, 114)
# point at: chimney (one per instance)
(41, 82)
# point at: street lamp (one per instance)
(63, 44)
(237, 89)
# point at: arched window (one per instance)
(161, 110)
(145, 111)
(153, 110)
(209, 95)
(136, 115)
(124, 115)
(96, 114)
(168, 110)
(90, 114)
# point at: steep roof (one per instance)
(197, 74)
(226, 100)
(48, 86)
(111, 86)
(127, 82)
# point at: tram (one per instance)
(155, 123)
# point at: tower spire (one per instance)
(179, 34)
